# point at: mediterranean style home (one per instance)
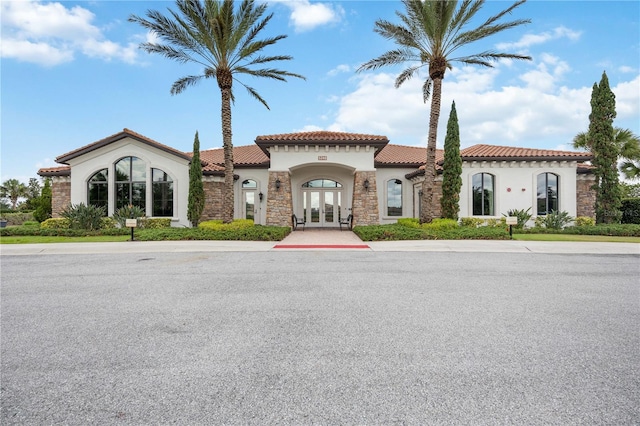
(321, 177)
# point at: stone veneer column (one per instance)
(364, 206)
(60, 194)
(279, 201)
(585, 195)
(213, 198)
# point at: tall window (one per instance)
(162, 186)
(98, 189)
(483, 194)
(131, 182)
(394, 197)
(547, 193)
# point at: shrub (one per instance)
(154, 222)
(523, 216)
(55, 223)
(495, 223)
(108, 223)
(630, 210)
(471, 222)
(554, 220)
(441, 224)
(217, 225)
(399, 232)
(411, 222)
(14, 219)
(128, 212)
(81, 216)
(585, 221)
(31, 223)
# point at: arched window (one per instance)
(131, 182)
(394, 197)
(322, 183)
(162, 186)
(547, 193)
(483, 194)
(98, 189)
(249, 184)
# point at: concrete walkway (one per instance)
(312, 239)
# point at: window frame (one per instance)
(483, 202)
(389, 191)
(548, 208)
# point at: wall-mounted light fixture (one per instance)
(260, 196)
(524, 189)
(278, 184)
(366, 184)
(420, 193)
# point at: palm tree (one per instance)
(13, 190)
(628, 146)
(224, 43)
(430, 33)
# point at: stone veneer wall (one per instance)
(279, 201)
(60, 194)
(213, 199)
(585, 195)
(437, 196)
(364, 207)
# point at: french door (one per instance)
(322, 207)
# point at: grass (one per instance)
(49, 239)
(575, 238)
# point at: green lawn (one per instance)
(571, 237)
(40, 239)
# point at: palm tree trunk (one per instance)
(228, 198)
(427, 205)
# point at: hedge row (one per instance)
(396, 232)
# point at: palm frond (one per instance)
(393, 57)
(182, 83)
(407, 74)
(254, 94)
(426, 90)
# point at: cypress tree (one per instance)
(196, 189)
(452, 168)
(605, 154)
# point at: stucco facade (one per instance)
(324, 177)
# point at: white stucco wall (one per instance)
(261, 177)
(383, 175)
(516, 185)
(85, 166)
(291, 157)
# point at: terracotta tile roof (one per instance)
(55, 171)
(243, 156)
(322, 136)
(401, 155)
(495, 152)
(114, 138)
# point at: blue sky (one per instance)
(71, 74)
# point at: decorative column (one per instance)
(60, 194)
(585, 195)
(279, 202)
(365, 207)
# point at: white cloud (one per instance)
(628, 99)
(519, 112)
(626, 69)
(342, 68)
(50, 34)
(529, 40)
(306, 16)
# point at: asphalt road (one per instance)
(315, 337)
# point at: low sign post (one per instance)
(131, 223)
(511, 220)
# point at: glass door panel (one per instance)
(249, 204)
(315, 206)
(328, 207)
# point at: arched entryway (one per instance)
(322, 202)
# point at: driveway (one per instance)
(320, 337)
